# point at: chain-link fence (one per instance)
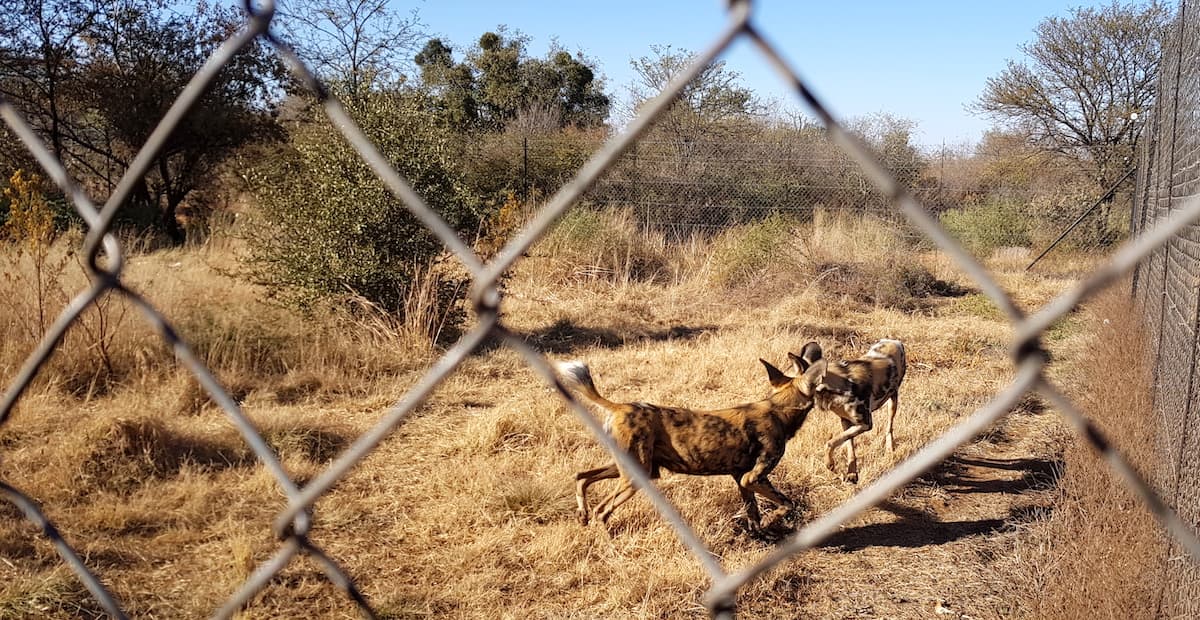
(701, 184)
(1168, 284)
(1176, 205)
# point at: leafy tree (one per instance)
(498, 84)
(94, 77)
(452, 83)
(137, 63)
(331, 227)
(1084, 77)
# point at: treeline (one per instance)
(93, 78)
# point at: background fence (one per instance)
(703, 185)
(1168, 287)
(1172, 211)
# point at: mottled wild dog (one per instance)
(854, 389)
(745, 442)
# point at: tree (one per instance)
(890, 137)
(709, 108)
(331, 227)
(39, 61)
(1085, 77)
(94, 77)
(498, 84)
(358, 45)
(452, 83)
(137, 62)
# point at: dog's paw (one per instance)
(830, 463)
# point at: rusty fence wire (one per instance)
(1167, 287)
(1170, 203)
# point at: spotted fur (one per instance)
(855, 389)
(745, 442)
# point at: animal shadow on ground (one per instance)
(963, 476)
(915, 528)
(564, 336)
(960, 474)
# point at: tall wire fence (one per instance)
(698, 184)
(1167, 285)
(1165, 233)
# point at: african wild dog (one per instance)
(745, 442)
(854, 389)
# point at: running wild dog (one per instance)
(745, 442)
(853, 390)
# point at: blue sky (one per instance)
(920, 60)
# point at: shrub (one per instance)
(988, 226)
(751, 250)
(332, 228)
(604, 245)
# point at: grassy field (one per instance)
(467, 510)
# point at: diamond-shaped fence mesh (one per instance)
(1163, 250)
(1167, 285)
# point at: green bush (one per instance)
(332, 228)
(988, 226)
(751, 250)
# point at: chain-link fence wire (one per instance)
(1164, 236)
(703, 182)
(1167, 285)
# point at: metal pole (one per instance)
(1112, 190)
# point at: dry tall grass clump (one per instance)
(606, 245)
(1099, 552)
(233, 327)
(860, 260)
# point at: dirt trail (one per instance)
(940, 548)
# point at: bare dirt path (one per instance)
(944, 546)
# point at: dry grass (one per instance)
(1098, 553)
(467, 510)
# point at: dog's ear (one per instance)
(816, 373)
(811, 352)
(774, 375)
(797, 366)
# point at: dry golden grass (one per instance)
(467, 510)
(1098, 554)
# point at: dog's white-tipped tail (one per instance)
(577, 375)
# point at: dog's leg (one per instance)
(618, 497)
(851, 461)
(763, 487)
(643, 452)
(756, 479)
(585, 479)
(851, 430)
(833, 443)
(892, 404)
(749, 511)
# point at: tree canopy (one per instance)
(94, 77)
(1082, 81)
(498, 84)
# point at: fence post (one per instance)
(1112, 190)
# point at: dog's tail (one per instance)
(577, 375)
